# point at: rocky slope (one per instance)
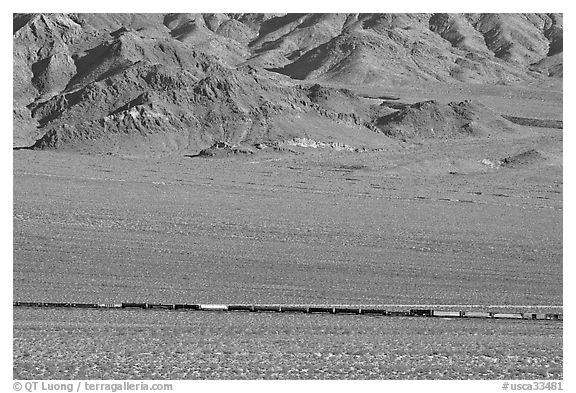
(181, 82)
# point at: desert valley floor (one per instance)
(418, 223)
(432, 222)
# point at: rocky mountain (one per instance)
(182, 82)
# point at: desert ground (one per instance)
(424, 223)
(108, 344)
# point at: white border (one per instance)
(498, 6)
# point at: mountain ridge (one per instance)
(80, 79)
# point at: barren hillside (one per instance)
(182, 82)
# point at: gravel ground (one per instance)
(111, 344)
(321, 227)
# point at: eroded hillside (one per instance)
(182, 82)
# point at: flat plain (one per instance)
(105, 344)
(422, 224)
